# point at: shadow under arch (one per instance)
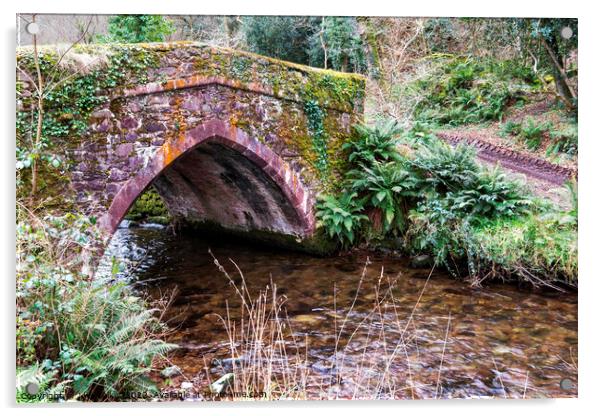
(209, 136)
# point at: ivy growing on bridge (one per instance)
(315, 125)
(69, 97)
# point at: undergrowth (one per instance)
(78, 337)
(471, 219)
(463, 90)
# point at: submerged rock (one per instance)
(172, 371)
(222, 383)
(421, 262)
(229, 363)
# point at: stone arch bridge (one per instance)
(226, 137)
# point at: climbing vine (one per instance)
(315, 125)
(69, 100)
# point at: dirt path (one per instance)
(542, 177)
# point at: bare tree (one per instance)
(44, 85)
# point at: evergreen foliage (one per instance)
(138, 28)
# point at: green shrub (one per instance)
(281, 37)
(511, 128)
(136, 28)
(445, 204)
(437, 230)
(385, 186)
(536, 248)
(539, 249)
(495, 196)
(445, 168)
(374, 143)
(456, 195)
(86, 338)
(532, 134)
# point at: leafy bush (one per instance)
(444, 203)
(137, 28)
(444, 168)
(511, 128)
(539, 249)
(441, 232)
(377, 175)
(338, 41)
(281, 37)
(384, 186)
(87, 338)
(532, 134)
(495, 196)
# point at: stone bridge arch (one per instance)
(209, 127)
(292, 216)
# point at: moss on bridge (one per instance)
(85, 77)
(123, 65)
(311, 109)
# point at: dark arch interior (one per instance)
(215, 185)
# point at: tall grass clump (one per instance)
(270, 357)
(78, 337)
(267, 361)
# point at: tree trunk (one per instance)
(565, 92)
(38, 137)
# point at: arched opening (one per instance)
(216, 184)
(216, 174)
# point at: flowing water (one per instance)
(460, 342)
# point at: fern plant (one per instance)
(385, 186)
(109, 351)
(374, 143)
(90, 338)
(341, 216)
(492, 195)
(445, 168)
(564, 141)
(532, 133)
(510, 128)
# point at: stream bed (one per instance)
(391, 331)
